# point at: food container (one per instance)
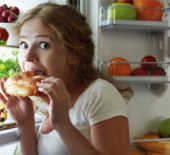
(124, 11)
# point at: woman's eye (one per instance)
(23, 45)
(44, 45)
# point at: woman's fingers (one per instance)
(2, 88)
(49, 90)
(3, 99)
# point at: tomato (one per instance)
(148, 10)
(3, 34)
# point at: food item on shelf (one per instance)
(9, 14)
(154, 153)
(125, 1)
(3, 34)
(155, 146)
(164, 128)
(139, 72)
(148, 10)
(158, 71)
(123, 11)
(119, 66)
(151, 62)
(137, 152)
(3, 113)
(23, 84)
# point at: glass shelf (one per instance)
(134, 25)
(137, 78)
(133, 18)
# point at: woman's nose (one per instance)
(30, 55)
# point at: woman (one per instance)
(86, 114)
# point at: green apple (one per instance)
(123, 11)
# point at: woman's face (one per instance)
(40, 51)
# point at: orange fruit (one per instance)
(120, 69)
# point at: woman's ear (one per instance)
(72, 60)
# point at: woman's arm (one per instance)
(28, 141)
(109, 137)
(22, 111)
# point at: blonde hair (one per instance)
(71, 30)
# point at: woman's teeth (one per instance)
(39, 72)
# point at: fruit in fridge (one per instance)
(149, 62)
(159, 71)
(149, 10)
(3, 34)
(119, 66)
(154, 146)
(164, 128)
(139, 72)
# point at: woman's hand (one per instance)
(21, 109)
(59, 102)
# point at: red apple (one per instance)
(125, 1)
(151, 63)
(159, 71)
(139, 72)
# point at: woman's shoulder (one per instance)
(102, 85)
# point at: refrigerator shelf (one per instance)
(149, 140)
(134, 25)
(104, 68)
(142, 79)
(127, 16)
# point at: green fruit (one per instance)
(123, 11)
(164, 128)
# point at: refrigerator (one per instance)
(147, 97)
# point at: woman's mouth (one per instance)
(40, 72)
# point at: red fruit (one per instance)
(15, 10)
(151, 63)
(1, 9)
(11, 18)
(5, 6)
(2, 20)
(3, 34)
(148, 10)
(5, 14)
(125, 1)
(159, 71)
(139, 72)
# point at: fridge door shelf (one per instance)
(104, 68)
(133, 25)
(123, 15)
